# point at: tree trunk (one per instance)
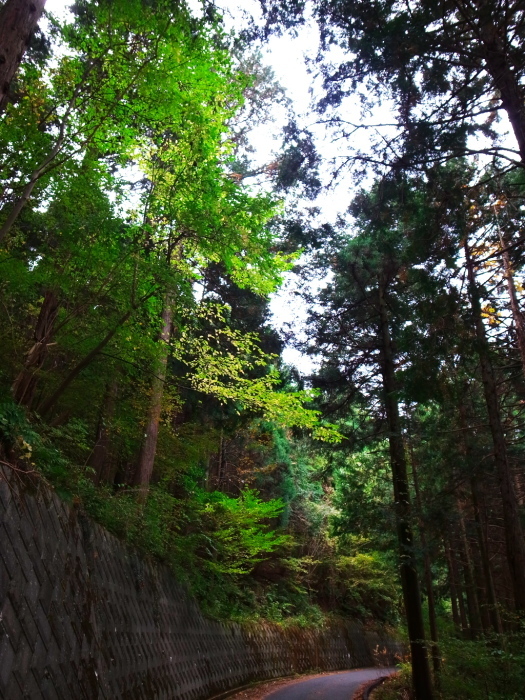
(454, 601)
(514, 540)
(493, 613)
(149, 445)
(495, 618)
(21, 202)
(24, 385)
(436, 657)
(409, 580)
(519, 321)
(18, 21)
(468, 576)
(504, 79)
(99, 456)
(49, 403)
(465, 627)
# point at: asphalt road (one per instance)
(336, 686)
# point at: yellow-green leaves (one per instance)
(221, 363)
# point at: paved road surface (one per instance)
(337, 686)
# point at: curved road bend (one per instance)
(336, 686)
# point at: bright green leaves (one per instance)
(221, 364)
(238, 536)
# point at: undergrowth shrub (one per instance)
(492, 668)
(232, 551)
(485, 669)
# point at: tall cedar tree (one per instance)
(355, 332)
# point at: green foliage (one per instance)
(239, 540)
(489, 669)
(16, 433)
(365, 586)
(227, 374)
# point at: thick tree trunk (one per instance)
(148, 450)
(514, 539)
(18, 21)
(409, 578)
(24, 385)
(504, 79)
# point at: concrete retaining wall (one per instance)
(83, 616)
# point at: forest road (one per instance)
(336, 686)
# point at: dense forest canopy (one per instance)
(141, 375)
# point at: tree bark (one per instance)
(18, 21)
(505, 80)
(468, 576)
(48, 404)
(436, 657)
(409, 579)
(148, 450)
(514, 539)
(494, 615)
(454, 599)
(24, 385)
(466, 449)
(519, 320)
(99, 456)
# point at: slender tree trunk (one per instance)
(409, 578)
(24, 385)
(149, 445)
(493, 612)
(453, 592)
(47, 164)
(18, 21)
(468, 576)
(99, 456)
(21, 202)
(481, 588)
(471, 590)
(519, 320)
(49, 403)
(514, 539)
(495, 618)
(465, 625)
(221, 469)
(436, 657)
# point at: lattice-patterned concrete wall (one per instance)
(83, 616)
